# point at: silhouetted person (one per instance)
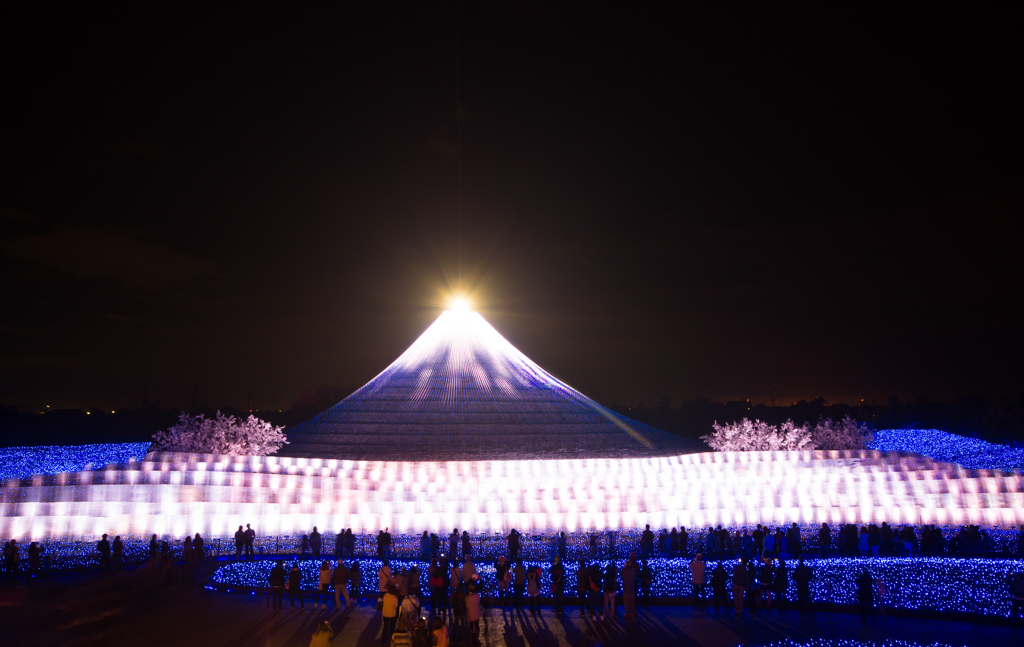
(646, 582)
(35, 553)
(239, 542)
(697, 577)
(276, 581)
(740, 581)
(780, 584)
(558, 586)
(355, 580)
(315, 543)
(518, 583)
(596, 584)
(866, 595)
(630, 578)
(11, 558)
(117, 548)
(718, 590)
(582, 587)
(513, 546)
(646, 542)
(104, 547)
(294, 587)
(803, 576)
(611, 590)
(250, 541)
(339, 580)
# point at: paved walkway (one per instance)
(132, 608)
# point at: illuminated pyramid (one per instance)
(462, 392)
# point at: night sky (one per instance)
(750, 203)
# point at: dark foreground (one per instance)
(130, 608)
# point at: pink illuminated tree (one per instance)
(221, 435)
(845, 434)
(757, 436)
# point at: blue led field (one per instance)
(972, 453)
(937, 584)
(19, 462)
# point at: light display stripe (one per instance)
(179, 493)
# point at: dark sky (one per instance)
(746, 203)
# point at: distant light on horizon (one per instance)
(460, 304)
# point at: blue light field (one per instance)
(19, 462)
(943, 446)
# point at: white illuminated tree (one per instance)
(221, 435)
(845, 434)
(747, 436)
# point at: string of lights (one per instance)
(175, 494)
(849, 642)
(22, 462)
(972, 453)
(970, 586)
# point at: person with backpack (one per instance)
(803, 576)
(408, 615)
(294, 587)
(454, 580)
(384, 578)
(533, 589)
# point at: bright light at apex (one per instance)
(460, 305)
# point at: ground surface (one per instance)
(134, 607)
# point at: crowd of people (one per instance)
(786, 542)
(744, 569)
